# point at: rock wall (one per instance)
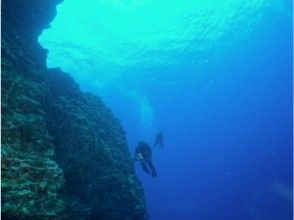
(64, 155)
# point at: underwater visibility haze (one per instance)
(215, 76)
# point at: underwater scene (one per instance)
(147, 109)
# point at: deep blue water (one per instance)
(228, 151)
(227, 125)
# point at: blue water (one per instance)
(215, 76)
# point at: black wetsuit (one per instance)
(146, 152)
(158, 140)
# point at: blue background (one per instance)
(229, 140)
(227, 121)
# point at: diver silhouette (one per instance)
(143, 154)
(158, 139)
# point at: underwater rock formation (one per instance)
(64, 155)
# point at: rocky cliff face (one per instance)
(64, 155)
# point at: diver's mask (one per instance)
(139, 157)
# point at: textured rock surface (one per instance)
(92, 152)
(64, 156)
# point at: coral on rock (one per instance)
(64, 155)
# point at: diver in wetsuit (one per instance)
(143, 154)
(158, 139)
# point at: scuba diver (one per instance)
(158, 139)
(143, 154)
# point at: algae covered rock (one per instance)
(91, 150)
(64, 155)
(30, 177)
